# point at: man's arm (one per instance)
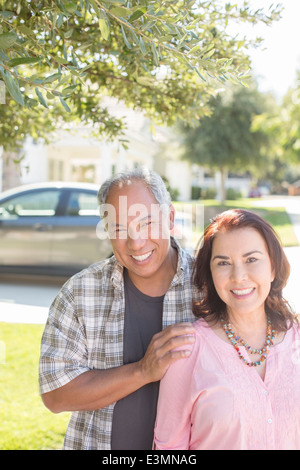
(96, 389)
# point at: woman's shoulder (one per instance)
(201, 326)
(202, 331)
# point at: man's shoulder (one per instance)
(99, 272)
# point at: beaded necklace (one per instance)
(236, 340)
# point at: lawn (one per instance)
(25, 424)
(276, 216)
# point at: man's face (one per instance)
(139, 231)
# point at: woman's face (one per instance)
(241, 270)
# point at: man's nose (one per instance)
(136, 239)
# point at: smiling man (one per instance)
(114, 328)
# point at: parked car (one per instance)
(50, 228)
(54, 229)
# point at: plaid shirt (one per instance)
(84, 331)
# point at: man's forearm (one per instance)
(95, 389)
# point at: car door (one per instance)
(75, 242)
(26, 227)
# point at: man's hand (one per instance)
(162, 351)
(98, 388)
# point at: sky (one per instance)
(276, 62)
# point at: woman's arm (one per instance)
(176, 397)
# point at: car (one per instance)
(54, 229)
(50, 228)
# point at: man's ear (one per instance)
(172, 216)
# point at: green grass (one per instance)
(25, 424)
(276, 216)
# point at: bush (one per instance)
(233, 194)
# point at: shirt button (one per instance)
(266, 392)
(270, 421)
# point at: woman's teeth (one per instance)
(243, 291)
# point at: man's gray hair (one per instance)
(152, 181)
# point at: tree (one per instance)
(226, 141)
(281, 124)
(163, 58)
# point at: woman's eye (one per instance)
(251, 260)
(223, 263)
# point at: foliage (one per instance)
(225, 141)
(281, 123)
(290, 123)
(164, 58)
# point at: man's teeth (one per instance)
(142, 257)
(243, 291)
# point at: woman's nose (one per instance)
(239, 272)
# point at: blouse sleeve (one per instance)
(177, 394)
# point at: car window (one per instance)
(83, 204)
(35, 203)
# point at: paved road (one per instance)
(25, 301)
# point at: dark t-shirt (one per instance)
(134, 415)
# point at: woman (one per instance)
(240, 386)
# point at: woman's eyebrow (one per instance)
(251, 253)
(220, 257)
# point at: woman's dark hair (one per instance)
(211, 306)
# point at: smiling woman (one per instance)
(231, 392)
(259, 247)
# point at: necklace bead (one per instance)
(237, 340)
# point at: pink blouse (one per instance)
(213, 401)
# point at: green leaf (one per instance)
(195, 48)
(154, 53)
(201, 76)
(137, 14)
(120, 11)
(60, 60)
(23, 60)
(26, 31)
(125, 38)
(142, 46)
(68, 90)
(7, 14)
(104, 25)
(41, 98)
(65, 105)
(7, 40)
(52, 78)
(13, 87)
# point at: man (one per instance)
(115, 327)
